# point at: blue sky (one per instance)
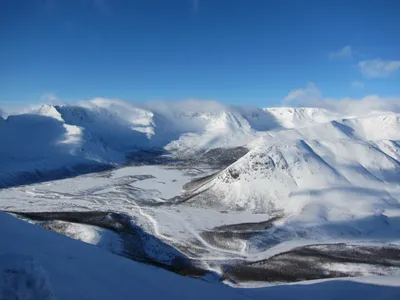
(235, 51)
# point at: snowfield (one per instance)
(247, 197)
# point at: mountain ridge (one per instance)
(104, 131)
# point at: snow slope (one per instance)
(291, 117)
(68, 269)
(343, 172)
(39, 264)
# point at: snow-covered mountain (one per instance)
(295, 152)
(344, 172)
(301, 177)
(101, 132)
(291, 117)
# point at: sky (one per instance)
(258, 52)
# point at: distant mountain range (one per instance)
(101, 132)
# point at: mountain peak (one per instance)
(51, 111)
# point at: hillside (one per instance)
(45, 265)
(343, 172)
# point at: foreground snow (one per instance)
(74, 270)
(38, 264)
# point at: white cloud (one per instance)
(189, 105)
(363, 105)
(379, 67)
(18, 107)
(345, 52)
(357, 84)
(310, 96)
